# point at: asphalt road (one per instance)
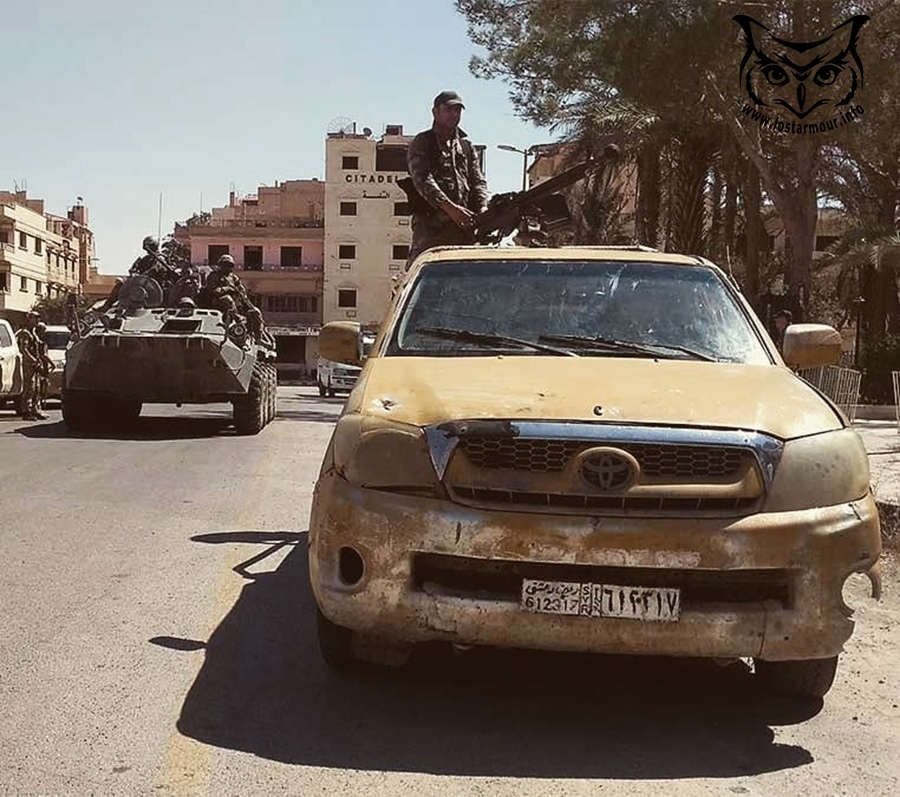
(158, 638)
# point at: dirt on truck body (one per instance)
(589, 449)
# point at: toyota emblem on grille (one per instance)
(608, 469)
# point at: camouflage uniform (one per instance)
(442, 170)
(31, 367)
(226, 292)
(45, 366)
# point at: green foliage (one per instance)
(53, 308)
(882, 358)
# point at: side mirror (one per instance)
(811, 345)
(339, 342)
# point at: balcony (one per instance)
(308, 268)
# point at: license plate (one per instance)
(648, 604)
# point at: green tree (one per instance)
(53, 308)
(677, 61)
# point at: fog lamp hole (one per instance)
(350, 566)
(856, 590)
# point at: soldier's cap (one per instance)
(33, 314)
(448, 98)
(226, 259)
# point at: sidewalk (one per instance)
(882, 441)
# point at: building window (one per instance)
(23, 283)
(347, 251)
(291, 256)
(348, 209)
(401, 208)
(400, 251)
(390, 158)
(3, 286)
(347, 297)
(23, 240)
(350, 162)
(253, 258)
(38, 246)
(287, 303)
(4, 237)
(214, 252)
(38, 287)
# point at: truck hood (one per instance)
(424, 391)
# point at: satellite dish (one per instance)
(341, 124)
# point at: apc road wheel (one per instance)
(79, 411)
(274, 411)
(270, 393)
(803, 679)
(249, 410)
(335, 644)
(123, 412)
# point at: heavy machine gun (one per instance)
(531, 213)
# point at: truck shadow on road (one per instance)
(264, 689)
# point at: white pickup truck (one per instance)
(332, 377)
(10, 367)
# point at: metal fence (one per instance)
(841, 385)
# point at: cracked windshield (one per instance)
(586, 308)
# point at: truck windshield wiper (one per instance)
(489, 338)
(611, 344)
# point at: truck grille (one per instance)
(656, 459)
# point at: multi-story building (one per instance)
(367, 225)
(40, 253)
(276, 238)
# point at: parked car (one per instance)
(332, 377)
(10, 367)
(589, 449)
(57, 339)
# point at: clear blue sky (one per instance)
(118, 101)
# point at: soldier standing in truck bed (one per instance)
(446, 174)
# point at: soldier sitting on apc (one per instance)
(226, 292)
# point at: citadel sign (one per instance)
(371, 179)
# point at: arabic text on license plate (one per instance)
(650, 604)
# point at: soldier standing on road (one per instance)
(31, 366)
(445, 172)
(45, 366)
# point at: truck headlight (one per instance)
(821, 470)
(383, 455)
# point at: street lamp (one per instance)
(524, 153)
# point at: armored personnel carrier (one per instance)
(150, 344)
